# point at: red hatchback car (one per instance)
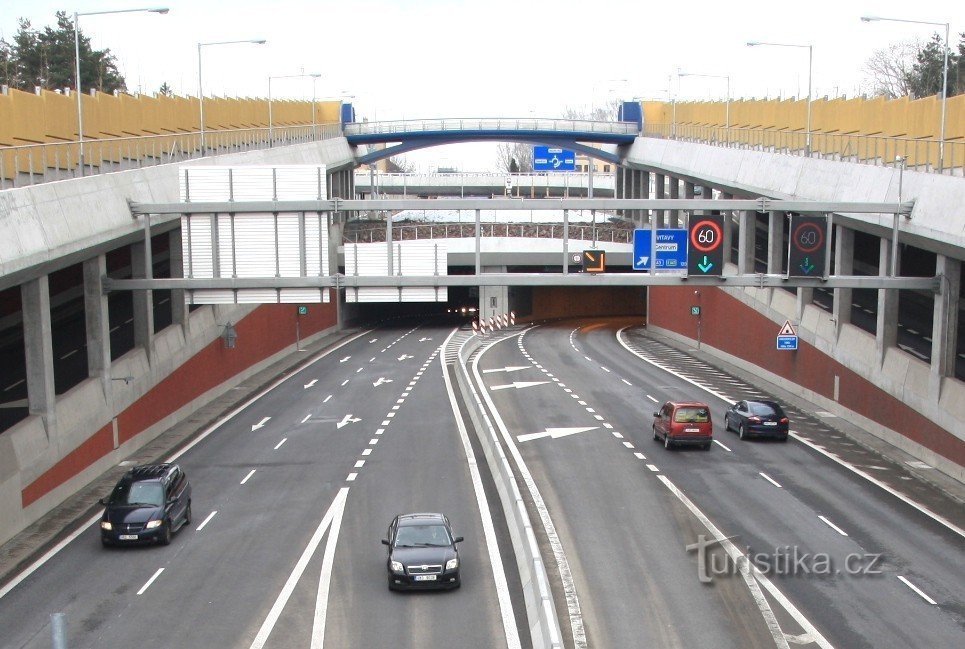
(684, 422)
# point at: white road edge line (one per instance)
(325, 579)
(262, 637)
(900, 496)
(206, 521)
(914, 588)
(160, 570)
(482, 503)
(833, 526)
(770, 479)
(173, 457)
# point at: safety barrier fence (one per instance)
(500, 124)
(38, 163)
(918, 154)
(603, 232)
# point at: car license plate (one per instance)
(770, 423)
(691, 430)
(128, 537)
(425, 577)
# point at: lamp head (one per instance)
(160, 10)
(260, 42)
(868, 19)
(752, 43)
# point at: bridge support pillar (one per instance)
(843, 265)
(945, 321)
(728, 231)
(643, 191)
(97, 321)
(886, 329)
(619, 183)
(493, 300)
(38, 348)
(143, 300)
(745, 241)
(673, 218)
(775, 245)
(659, 191)
(179, 309)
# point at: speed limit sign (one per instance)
(807, 243)
(705, 255)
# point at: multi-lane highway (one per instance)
(294, 491)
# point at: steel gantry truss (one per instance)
(636, 278)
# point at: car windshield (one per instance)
(138, 493)
(762, 409)
(432, 535)
(692, 415)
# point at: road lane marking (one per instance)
(652, 399)
(627, 382)
(640, 456)
(582, 403)
(344, 383)
(720, 444)
(359, 370)
(327, 399)
(367, 451)
(608, 425)
(351, 477)
(337, 505)
(160, 570)
(653, 467)
(770, 479)
(617, 435)
(261, 424)
(911, 586)
(278, 445)
(597, 417)
(310, 384)
(604, 369)
(386, 422)
(628, 444)
(307, 417)
(325, 579)
(248, 477)
(206, 521)
(833, 526)
(379, 431)
(360, 464)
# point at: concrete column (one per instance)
(38, 348)
(945, 320)
(886, 330)
(619, 183)
(645, 193)
(673, 216)
(728, 231)
(97, 321)
(745, 242)
(775, 242)
(659, 191)
(493, 300)
(843, 265)
(143, 301)
(179, 308)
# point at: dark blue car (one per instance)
(758, 419)
(148, 505)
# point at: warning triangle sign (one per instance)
(787, 329)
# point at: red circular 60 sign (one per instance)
(706, 236)
(808, 237)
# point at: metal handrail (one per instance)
(919, 154)
(602, 232)
(491, 124)
(32, 164)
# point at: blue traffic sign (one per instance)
(551, 158)
(787, 342)
(671, 249)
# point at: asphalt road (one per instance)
(291, 498)
(814, 528)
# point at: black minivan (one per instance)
(149, 504)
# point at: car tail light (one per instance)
(783, 420)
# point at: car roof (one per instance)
(688, 404)
(149, 472)
(766, 402)
(420, 518)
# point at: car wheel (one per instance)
(187, 514)
(667, 444)
(741, 432)
(726, 423)
(655, 436)
(165, 533)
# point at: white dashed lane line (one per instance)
(351, 477)
(206, 521)
(833, 526)
(652, 399)
(150, 581)
(770, 479)
(718, 443)
(627, 382)
(653, 468)
(327, 398)
(278, 445)
(911, 586)
(248, 477)
(307, 417)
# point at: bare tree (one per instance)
(888, 72)
(515, 157)
(606, 113)
(399, 165)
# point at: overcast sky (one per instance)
(407, 59)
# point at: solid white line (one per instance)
(770, 479)
(833, 526)
(652, 399)
(627, 382)
(307, 417)
(206, 521)
(351, 477)
(718, 443)
(640, 456)
(283, 440)
(247, 477)
(325, 579)
(262, 637)
(870, 478)
(160, 570)
(911, 586)
(327, 398)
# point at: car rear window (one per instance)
(692, 415)
(762, 409)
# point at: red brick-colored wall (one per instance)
(733, 327)
(557, 302)
(264, 332)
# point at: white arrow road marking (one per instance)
(404, 356)
(381, 381)
(260, 424)
(554, 433)
(345, 359)
(373, 340)
(512, 368)
(518, 385)
(422, 340)
(347, 419)
(311, 383)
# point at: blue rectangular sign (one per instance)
(787, 342)
(551, 158)
(671, 250)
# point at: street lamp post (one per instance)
(596, 85)
(314, 76)
(810, 49)
(941, 141)
(200, 89)
(80, 108)
(713, 76)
